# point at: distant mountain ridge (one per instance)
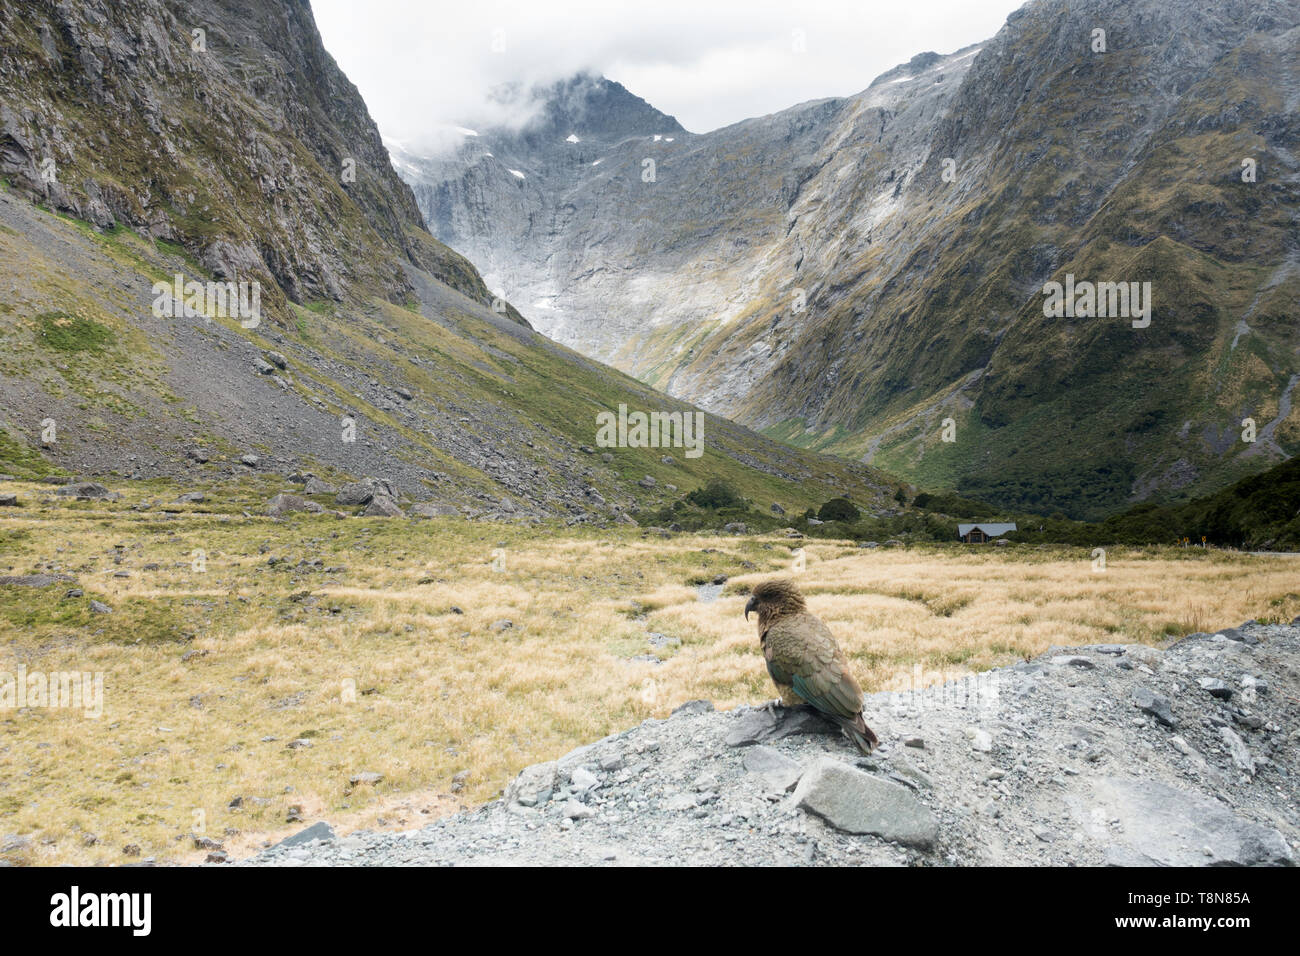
(851, 273)
(601, 108)
(493, 192)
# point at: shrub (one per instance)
(838, 509)
(716, 494)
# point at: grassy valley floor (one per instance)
(446, 655)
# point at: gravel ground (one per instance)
(1107, 754)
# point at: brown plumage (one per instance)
(804, 660)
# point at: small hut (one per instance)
(984, 531)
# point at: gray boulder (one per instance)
(87, 489)
(534, 785)
(360, 492)
(858, 802)
(382, 506)
(284, 503)
(315, 486)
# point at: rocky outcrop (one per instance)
(87, 491)
(218, 140)
(1049, 762)
(285, 503)
(251, 114)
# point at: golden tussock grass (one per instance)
(400, 663)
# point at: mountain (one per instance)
(216, 146)
(1260, 513)
(849, 274)
(498, 194)
(223, 127)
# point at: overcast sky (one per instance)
(427, 63)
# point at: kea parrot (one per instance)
(805, 662)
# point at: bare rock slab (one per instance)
(759, 724)
(778, 771)
(317, 831)
(1161, 825)
(857, 802)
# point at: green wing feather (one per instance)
(778, 674)
(829, 698)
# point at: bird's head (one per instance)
(771, 599)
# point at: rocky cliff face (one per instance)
(222, 126)
(500, 195)
(849, 274)
(1103, 755)
(218, 141)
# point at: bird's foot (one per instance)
(775, 706)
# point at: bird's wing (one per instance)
(801, 647)
(779, 673)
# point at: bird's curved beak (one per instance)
(751, 606)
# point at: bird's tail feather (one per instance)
(862, 735)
